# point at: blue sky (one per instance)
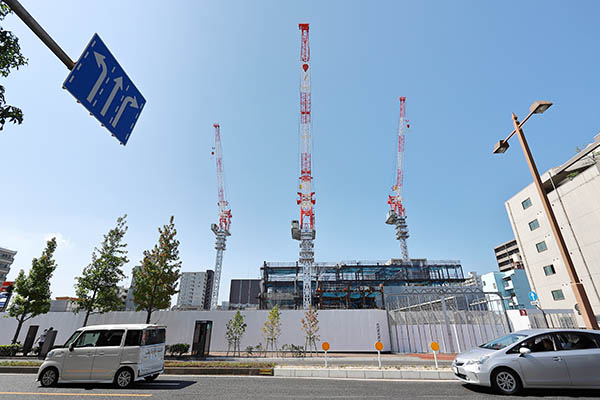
(464, 66)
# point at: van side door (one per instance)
(78, 362)
(107, 356)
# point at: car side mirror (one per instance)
(71, 346)
(524, 351)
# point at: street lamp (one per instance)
(580, 295)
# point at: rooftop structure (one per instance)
(351, 284)
(6, 259)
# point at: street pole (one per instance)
(578, 289)
(40, 32)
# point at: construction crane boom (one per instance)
(397, 213)
(221, 230)
(304, 230)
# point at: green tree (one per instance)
(10, 57)
(96, 288)
(310, 326)
(235, 329)
(156, 278)
(272, 329)
(33, 290)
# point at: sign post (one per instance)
(379, 347)
(325, 347)
(435, 346)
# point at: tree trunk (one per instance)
(149, 313)
(19, 325)
(89, 309)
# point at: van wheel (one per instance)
(151, 378)
(124, 378)
(506, 381)
(49, 377)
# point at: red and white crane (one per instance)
(304, 230)
(221, 230)
(397, 214)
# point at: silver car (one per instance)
(536, 358)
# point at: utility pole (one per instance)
(40, 32)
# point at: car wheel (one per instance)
(151, 378)
(506, 382)
(49, 377)
(124, 378)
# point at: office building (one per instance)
(194, 290)
(508, 256)
(63, 304)
(244, 293)
(574, 192)
(6, 259)
(512, 287)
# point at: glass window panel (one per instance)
(558, 295)
(541, 246)
(526, 203)
(533, 225)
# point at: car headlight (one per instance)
(479, 361)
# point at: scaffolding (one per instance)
(351, 284)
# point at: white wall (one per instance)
(345, 330)
(579, 197)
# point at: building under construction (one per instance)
(351, 284)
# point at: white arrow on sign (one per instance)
(118, 85)
(128, 100)
(101, 64)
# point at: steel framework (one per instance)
(397, 214)
(304, 230)
(221, 230)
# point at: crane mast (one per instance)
(304, 230)
(221, 230)
(397, 214)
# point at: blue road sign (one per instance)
(533, 296)
(99, 83)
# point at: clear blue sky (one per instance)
(464, 66)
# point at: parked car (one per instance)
(107, 353)
(537, 358)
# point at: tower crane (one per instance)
(397, 214)
(304, 230)
(221, 230)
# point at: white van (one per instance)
(120, 353)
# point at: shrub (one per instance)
(249, 351)
(9, 349)
(178, 348)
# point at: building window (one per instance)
(533, 225)
(541, 246)
(526, 203)
(558, 295)
(549, 270)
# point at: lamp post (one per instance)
(580, 295)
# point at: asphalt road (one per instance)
(23, 387)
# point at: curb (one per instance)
(363, 373)
(168, 371)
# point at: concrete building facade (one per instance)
(6, 259)
(194, 290)
(508, 256)
(574, 192)
(512, 285)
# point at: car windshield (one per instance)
(72, 338)
(503, 341)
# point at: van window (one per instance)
(87, 339)
(110, 338)
(133, 338)
(154, 336)
(72, 338)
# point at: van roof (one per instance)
(121, 326)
